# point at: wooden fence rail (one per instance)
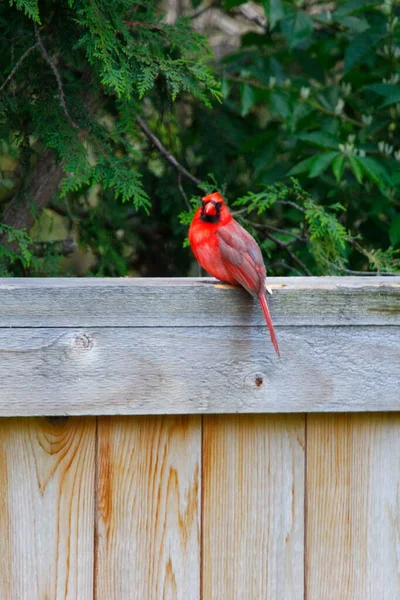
(135, 488)
(138, 346)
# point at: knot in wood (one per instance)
(259, 380)
(255, 380)
(82, 341)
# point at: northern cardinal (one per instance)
(228, 252)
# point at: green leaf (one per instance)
(394, 230)
(319, 138)
(395, 176)
(257, 141)
(376, 172)
(321, 163)
(383, 89)
(247, 99)
(297, 28)
(279, 103)
(300, 111)
(225, 88)
(355, 6)
(354, 24)
(356, 167)
(390, 91)
(302, 167)
(274, 11)
(393, 99)
(361, 49)
(338, 167)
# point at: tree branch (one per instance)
(183, 193)
(262, 226)
(376, 273)
(64, 247)
(146, 25)
(167, 155)
(297, 237)
(201, 10)
(53, 67)
(292, 204)
(17, 65)
(284, 265)
(47, 174)
(289, 253)
(44, 181)
(248, 11)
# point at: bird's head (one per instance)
(214, 209)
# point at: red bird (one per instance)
(228, 252)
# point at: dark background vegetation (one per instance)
(115, 117)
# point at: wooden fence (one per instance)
(126, 472)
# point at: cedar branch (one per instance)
(17, 66)
(288, 252)
(53, 67)
(146, 25)
(183, 193)
(167, 155)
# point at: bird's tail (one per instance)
(265, 309)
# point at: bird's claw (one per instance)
(268, 289)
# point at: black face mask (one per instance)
(211, 218)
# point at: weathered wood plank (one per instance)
(196, 303)
(353, 516)
(253, 507)
(198, 370)
(47, 479)
(148, 508)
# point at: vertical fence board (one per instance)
(253, 507)
(353, 500)
(46, 508)
(148, 508)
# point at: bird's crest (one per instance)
(214, 197)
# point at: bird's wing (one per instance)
(242, 257)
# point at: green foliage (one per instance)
(130, 62)
(327, 238)
(315, 96)
(275, 12)
(296, 27)
(312, 230)
(319, 99)
(76, 85)
(316, 228)
(15, 251)
(29, 7)
(128, 59)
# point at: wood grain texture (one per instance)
(198, 370)
(253, 508)
(148, 533)
(47, 503)
(196, 302)
(353, 514)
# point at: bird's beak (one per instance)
(210, 209)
